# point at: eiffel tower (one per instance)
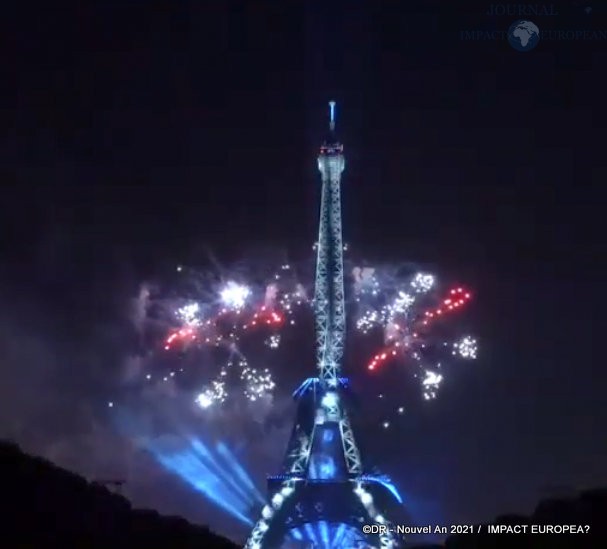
(323, 496)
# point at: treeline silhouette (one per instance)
(45, 506)
(588, 509)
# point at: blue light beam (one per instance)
(240, 472)
(217, 475)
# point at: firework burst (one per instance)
(218, 322)
(405, 310)
(214, 325)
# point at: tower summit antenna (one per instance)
(332, 114)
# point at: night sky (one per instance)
(136, 134)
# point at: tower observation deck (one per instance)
(323, 497)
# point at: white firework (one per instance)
(273, 342)
(466, 347)
(431, 383)
(214, 394)
(189, 314)
(369, 320)
(234, 296)
(422, 283)
(402, 304)
(258, 383)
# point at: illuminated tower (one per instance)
(323, 498)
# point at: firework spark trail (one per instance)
(457, 298)
(404, 315)
(207, 332)
(402, 336)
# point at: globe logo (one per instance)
(523, 35)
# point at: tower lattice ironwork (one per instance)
(323, 496)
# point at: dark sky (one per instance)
(135, 132)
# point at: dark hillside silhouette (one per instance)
(45, 506)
